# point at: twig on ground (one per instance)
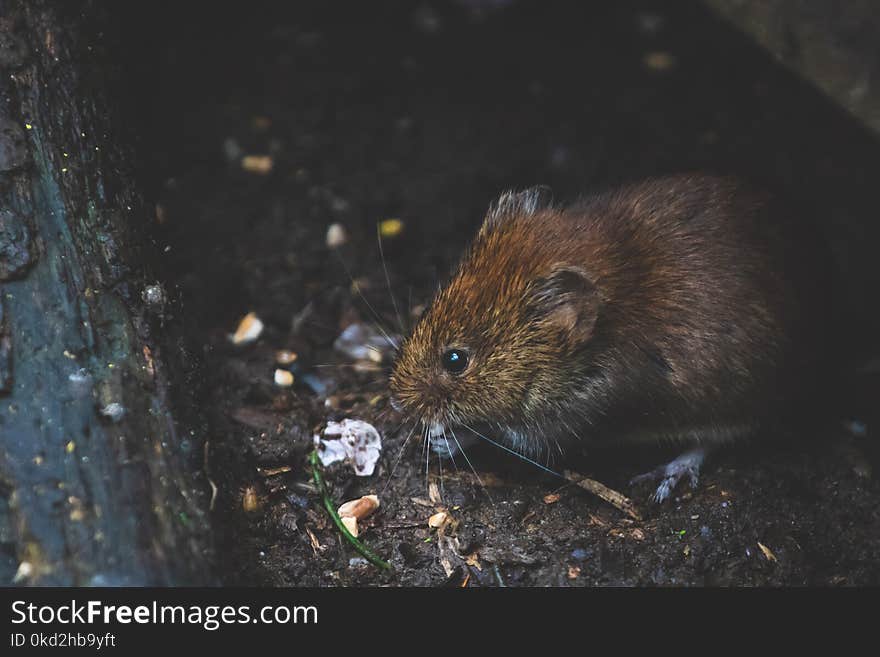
(615, 499)
(368, 554)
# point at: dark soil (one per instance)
(425, 113)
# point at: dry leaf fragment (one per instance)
(596, 520)
(437, 520)
(768, 553)
(271, 472)
(473, 560)
(448, 547)
(552, 498)
(148, 359)
(250, 501)
(316, 544)
(616, 499)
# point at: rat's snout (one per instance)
(403, 400)
(415, 406)
(401, 394)
(417, 402)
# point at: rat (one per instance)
(684, 308)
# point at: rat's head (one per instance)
(497, 343)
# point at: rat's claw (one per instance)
(664, 489)
(670, 474)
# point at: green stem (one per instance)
(368, 554)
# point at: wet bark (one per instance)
(832, 44)
(97, 484)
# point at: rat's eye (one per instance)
(455, 360)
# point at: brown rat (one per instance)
(684, 308)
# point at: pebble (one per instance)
(581, 554)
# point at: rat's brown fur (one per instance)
(678, 307)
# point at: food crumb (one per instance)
(283, 378)
(390, 228)
(250, 327)
(259, 164)
(336, 236)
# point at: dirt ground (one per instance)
(424, 112)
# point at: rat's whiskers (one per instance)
(357, 288)
(463, 453)
(399, 455)
(388, 279)
(514, 452)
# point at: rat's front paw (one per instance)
(688, 464)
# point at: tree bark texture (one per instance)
(97, 486)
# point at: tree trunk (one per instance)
(96, 485)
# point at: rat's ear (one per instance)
(526, 202)
(567, 300)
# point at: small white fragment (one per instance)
(285, 357)
(336, 236)
(351, 524)
(250, 327)
(360, 342)
(80, 378)
(283, 378)
(436, 521)
(359, 443)
(114, 411)
(25, 570)
(329, 451)
(154, 295)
